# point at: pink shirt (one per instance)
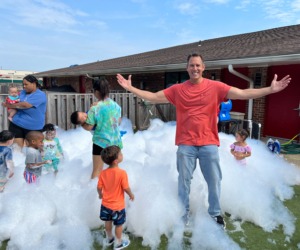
(241, 149)
(197, 107)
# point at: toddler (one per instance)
(52, 149)
(6, 158)
(112, 184)
(33, 160)
(240, 150)
(13, 97)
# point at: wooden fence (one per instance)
(60, 106)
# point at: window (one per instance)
(175, 77)
(257, 80)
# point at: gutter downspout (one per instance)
(251, 84)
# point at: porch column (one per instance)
(82, 84)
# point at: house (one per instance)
(13, 76)
(245, 60)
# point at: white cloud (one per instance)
(217, 1)
(43, 14)
(188, 7)
(282, 10)
(296, 5)
(243, 5)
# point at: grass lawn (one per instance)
(252, 237)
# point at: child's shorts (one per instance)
(30, 177)
(118, 217)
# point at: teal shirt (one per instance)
(105, 115)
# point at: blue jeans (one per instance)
(210, 167)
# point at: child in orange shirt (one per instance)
(112, 184)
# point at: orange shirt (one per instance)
(113, 181)
(197, 107)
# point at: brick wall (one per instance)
(259, 104)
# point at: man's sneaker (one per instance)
(219, 219)
(124, 243)
(110, 242)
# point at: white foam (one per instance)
(61, 212)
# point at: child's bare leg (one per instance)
(118, 233)
(97, 166)
(11, 113)
(108, 229)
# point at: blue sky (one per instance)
(40, 35)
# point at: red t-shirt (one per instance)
(113, 181)
(197, 107)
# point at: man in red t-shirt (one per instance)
(197, 102)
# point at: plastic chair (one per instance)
(225, 108)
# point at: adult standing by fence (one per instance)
(31, 110)
(197, 102)
(104, 119)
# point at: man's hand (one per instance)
(277, 86)
(126, 84)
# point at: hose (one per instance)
(291, 147)
(291, 139)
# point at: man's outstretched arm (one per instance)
(158, 97)
(244, 94)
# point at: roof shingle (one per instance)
(266, 43)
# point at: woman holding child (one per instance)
(31, 110)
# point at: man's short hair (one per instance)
(109, 154)
(194, 55)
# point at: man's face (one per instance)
(195, 68)
(82, 116)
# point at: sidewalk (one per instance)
(293, 158)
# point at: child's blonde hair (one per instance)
(12, 86)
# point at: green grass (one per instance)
(251, 238)
(256, 238)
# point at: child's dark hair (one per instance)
(243, 133)
(33, 135)
(102, 86)
(6, 135)
(110, 154)
(74, 118)
(49, 127)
